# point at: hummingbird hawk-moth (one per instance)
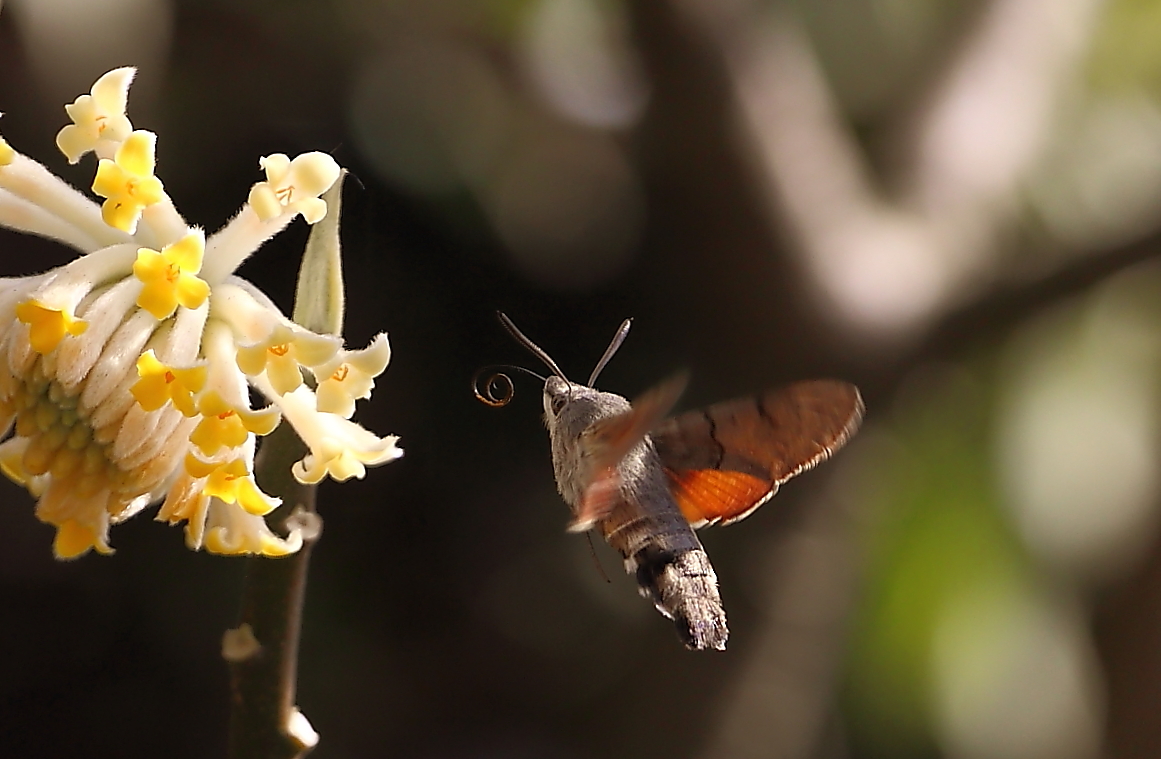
(645, 482)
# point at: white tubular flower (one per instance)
(283, 353)
(294, 186)
(125, 375)
(99, 120)
(339, 448)
(350, 376)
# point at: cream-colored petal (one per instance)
(313, 210)
(276, 166)
(313, 173)
(264, 201)
(111, 91)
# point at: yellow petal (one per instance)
(183, 400)
(253, 500)
(73, 539)
(47, 326)
(260, 422)
(158, 298)
(148, 365)
(150, 265)
(214, 433)
(212, 404)
(151, 393)
(198, 468)
(12, 465)
(223, 481)
(136, 154)
(187, 252)
(148, 190)
(110, 179)
(120, 215)
(160, 383)
(193, 377)
(251, 359)
(191, 291)
(275, 548)
(233, 432)
(190, 380)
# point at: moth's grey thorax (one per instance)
(582, 406)
(649, 512)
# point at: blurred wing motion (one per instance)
(610, 440)
(727, 460)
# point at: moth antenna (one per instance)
(489, 395)
(618, 338)
(531, 346)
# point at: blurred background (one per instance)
(955, 204)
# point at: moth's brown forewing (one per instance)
(726, 460)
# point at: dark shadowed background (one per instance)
(952, 203)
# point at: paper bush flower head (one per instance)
(125, 376)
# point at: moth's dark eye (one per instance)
(558, 403)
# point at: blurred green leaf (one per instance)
(1125, 53)
(939, 538)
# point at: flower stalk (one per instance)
(264, 721)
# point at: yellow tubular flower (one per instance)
(74, 539)
(125, 376)
(225, 426)
(231, 482)
(6, 153)
(169, 278)
(47, 326)
(161, 384)
(128, 182)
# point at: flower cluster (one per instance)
(126, 375)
